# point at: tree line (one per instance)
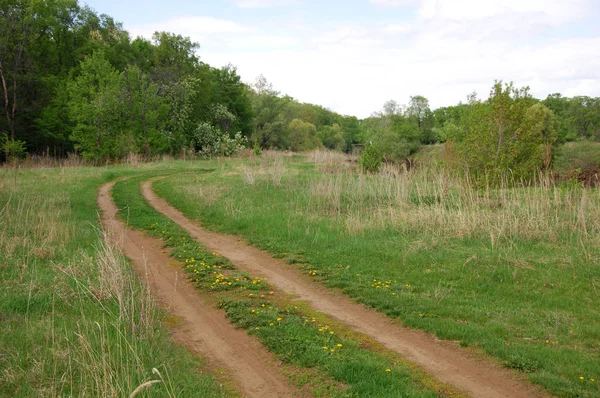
(509, 134)
(73, 80)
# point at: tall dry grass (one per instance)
(441, 203)
(332, 161)
(103, 348)
(271, 169)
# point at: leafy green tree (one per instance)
(93, 106)
(214, 139)
(270, 124)
(559, 105)
(174, 58)
(499, 139)
(235, 96)
(371, 159)
(543, 128)
(419, 112)
(395, 135)
(303, 136)
(584, 116)
(144, 111)
(332, 137)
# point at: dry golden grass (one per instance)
(271, 169)
(332, 162)
(443, 204)
(87, 326)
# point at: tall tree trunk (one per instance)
(10, 114)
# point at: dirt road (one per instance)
(443, 360)
(205, 329)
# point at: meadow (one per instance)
(511, 272)
(508, 272)
(74, 319)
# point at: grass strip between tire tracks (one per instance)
(298, 337)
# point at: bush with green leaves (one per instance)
(371, 159)
(13, 149)
(212, 141)
(256, 149)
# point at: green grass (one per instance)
(298, 337)
(518, 281)
(62, 329)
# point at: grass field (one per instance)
(323, 357)
(74, 321)
(510, 272)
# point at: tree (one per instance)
(270, 124)
(584, 116)
(16, 27)
(303, 136)
(544, 129)
(93, 106)
(212, 138)
(234, 95)
(418, 111)
(332, 137)
(145, 111)
(559, 105)
(174, 58)
(498, 139)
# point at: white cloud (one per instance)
(448, 50)
(263, 3)
(468, 10)
(398, 28)
(194, 26)
(393, 3)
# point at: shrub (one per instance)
(256, 149)
(370, 159)
(13, 150)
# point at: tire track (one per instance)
(205, 331)
(443, 360)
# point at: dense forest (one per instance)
(74, 81)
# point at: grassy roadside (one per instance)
(74, 321)
(325, 359)
(512, 282)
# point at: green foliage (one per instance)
(302, 136)
(544, 129)
(393, 132)
(211, 141)
(94, 105)
(371, 159)
(418, 112)
(256, 149)
(517, 289)
(332, 137)
(214, 139)
(284, 123)
(120, 335)
(13, 150)
(500, 141)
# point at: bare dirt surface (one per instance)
(444, 360)
(205, 330)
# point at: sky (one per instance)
(352, 56)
